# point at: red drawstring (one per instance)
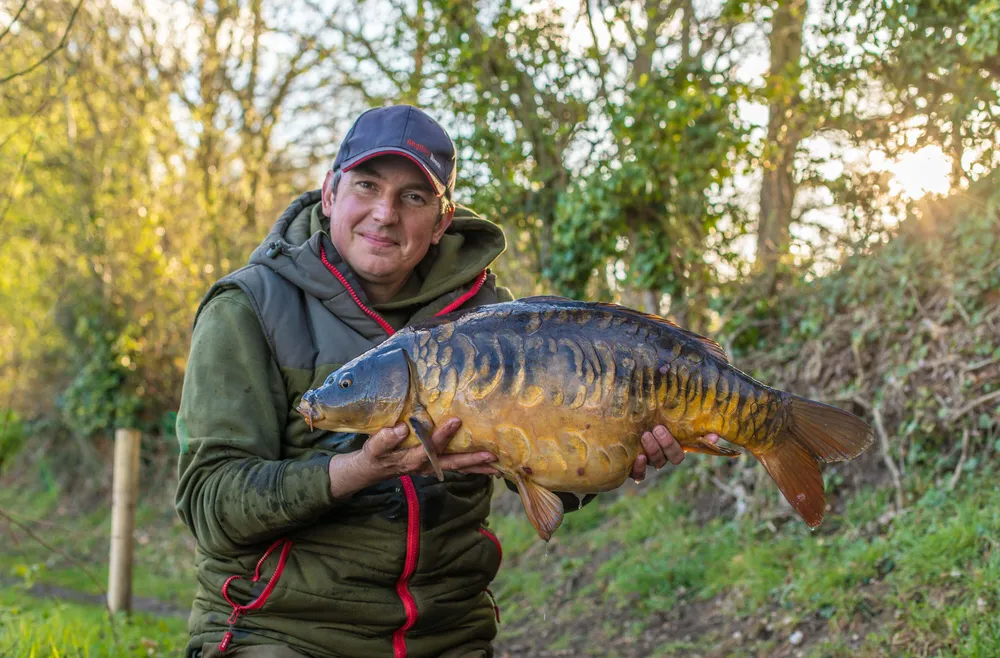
(286, 547)
(496, 608)
(496, 542)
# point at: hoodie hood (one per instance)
(293, 248)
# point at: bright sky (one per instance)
(916, 174)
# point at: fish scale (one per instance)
(561, 392)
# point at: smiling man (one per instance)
(322, 544)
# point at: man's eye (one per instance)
(365, 184)
(416, 199)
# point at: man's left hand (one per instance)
(659, 447)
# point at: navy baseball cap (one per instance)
(401, 130)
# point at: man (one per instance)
(319, 544)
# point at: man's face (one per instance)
(383, 218)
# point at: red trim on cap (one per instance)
(435, 185)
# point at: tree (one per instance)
(786, 122)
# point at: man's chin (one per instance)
(381, 267)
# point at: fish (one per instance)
(560, 391)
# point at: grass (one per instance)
(923, 583)
(164, 551)
(38, 627)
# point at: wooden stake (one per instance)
(124, 496)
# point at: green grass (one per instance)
(36, 627)
(925, 583)
(164, 551)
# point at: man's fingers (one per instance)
(712, 438)
(668, 444)
(444, 433)
(386, 439)
(459, 460)
(639, 468)
(479, 470)
(654, 454)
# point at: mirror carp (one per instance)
(561, 391)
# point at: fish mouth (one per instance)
(310, 413)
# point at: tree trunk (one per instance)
(777, 192)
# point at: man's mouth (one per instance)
(379, 240)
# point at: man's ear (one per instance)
(327, 194)
(443, 225)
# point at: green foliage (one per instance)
(954, 241)
(656, 203)
(923, 578)
(127, 191)
(935, 61)
(12, 435)
(102, 395)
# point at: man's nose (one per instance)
(386, 211)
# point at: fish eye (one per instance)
(345, 382)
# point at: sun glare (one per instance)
(921, 172)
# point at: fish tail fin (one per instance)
(814, 434)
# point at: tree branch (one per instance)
(20, 9)
(51, 53)
(602, 62)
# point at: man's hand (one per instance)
(381, 458)
(659, 447)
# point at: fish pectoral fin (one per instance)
(706, 447)
(420, 421)
(422, 425)
(545, 510)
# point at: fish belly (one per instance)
(579, 453)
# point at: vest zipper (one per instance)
(409, 489)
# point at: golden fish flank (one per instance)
(560, 392)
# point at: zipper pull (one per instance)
(274, 249)
(226, 639)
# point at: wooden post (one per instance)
(124, 496)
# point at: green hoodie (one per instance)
(399, 569)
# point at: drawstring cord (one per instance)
(286, 547)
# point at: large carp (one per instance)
(561, 391)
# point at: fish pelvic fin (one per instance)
(814, 434)
(706, 447)
(544, 509)
(420, 422)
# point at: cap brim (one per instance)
(438, 187)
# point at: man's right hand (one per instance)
(381, 458)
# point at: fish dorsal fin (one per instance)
(548, 298)
(707, 344)
(545, 510)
